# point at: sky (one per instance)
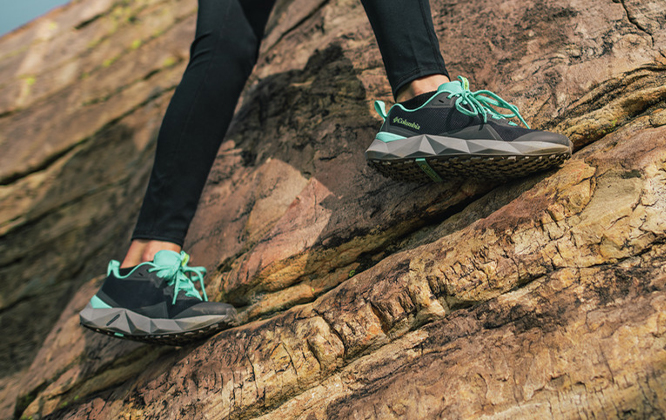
(14, 13)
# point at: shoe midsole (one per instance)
(127, 322)
(426, 146)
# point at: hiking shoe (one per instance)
(156, 302)
(455, 133)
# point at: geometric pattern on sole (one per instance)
(123, 323)
(499, 168)
(427, 146)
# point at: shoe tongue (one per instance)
(451, 87)
(167, 258)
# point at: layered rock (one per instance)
(359, 297)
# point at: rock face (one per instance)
(359, 297)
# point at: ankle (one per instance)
(143, 250)
(420, 86)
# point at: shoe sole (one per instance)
(449, 157)
(123, 323)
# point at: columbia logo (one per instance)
(402, 121)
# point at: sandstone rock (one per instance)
(360, 297)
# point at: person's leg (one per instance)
(222, 57)
(420, 86)
(153, 297)
(408, 44)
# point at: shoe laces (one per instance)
(178, 274)
(482, 103)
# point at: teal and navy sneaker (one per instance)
(156, 302)
(456, 133)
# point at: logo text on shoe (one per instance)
(402, 121)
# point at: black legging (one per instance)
(222, 56)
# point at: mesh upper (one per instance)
(433, 120)
(509, 133)
(144, 293)
(438, 119)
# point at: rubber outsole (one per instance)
(409, 159)
(126, 324)
(455, 167)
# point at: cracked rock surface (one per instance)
(358, 297)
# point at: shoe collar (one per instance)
(171, 266)
(454, 87)
(162, 258)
